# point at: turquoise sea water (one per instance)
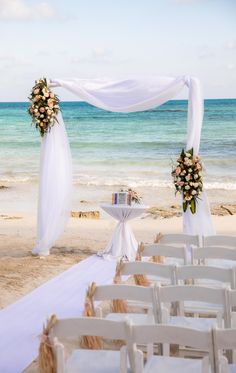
(123, 149)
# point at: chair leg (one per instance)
(123, 359)
(138, 361)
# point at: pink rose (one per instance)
(42, 110)
(178, 170)
(181, 183)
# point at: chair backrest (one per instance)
(128, 292)
(180, 238)
(164, 271)
(213, 252)
(71, 329)
(193, 293)
(220, 240)
(146, 334)
(223, 339)
(225, 276)
(165, 250)
(93, 326)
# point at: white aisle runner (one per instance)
(21, 323)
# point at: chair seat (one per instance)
(136, 318)
(201, 323)
(167, 364)
(93, 361)
(231, 368)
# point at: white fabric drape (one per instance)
(55, 187)
(123, 244)
(129, 95)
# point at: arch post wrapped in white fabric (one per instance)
(123, 96)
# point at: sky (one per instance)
(117, 38)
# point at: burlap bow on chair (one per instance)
(119, 305)
(88, 341)
(46, 360)
(158, 258)
(140, 280)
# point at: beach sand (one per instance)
(20, 272)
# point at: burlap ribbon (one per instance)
(158, 258)
(140, 280)
(119, 305)
(46, 360)
(88, 341)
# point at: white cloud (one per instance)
(230, 44)
(230, 66)
(97, 55)
(205, 52)
(20, 10)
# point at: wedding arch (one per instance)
(124, 96)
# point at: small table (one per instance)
(123, 243)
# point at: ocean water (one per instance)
(135, 149)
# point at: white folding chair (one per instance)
(220, 240)
(168, 334)
(167, 295)
(218, 256)
(172, 254)
(142, 294)
(162, 273)
(224, 339)
(187, 241)
(206, 276)
(89, 361)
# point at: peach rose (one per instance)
(50, 102)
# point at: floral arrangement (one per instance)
(187, 177)
(135, 197)
(44, 106)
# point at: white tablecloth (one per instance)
(123, 243)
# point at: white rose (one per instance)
(189, 155)
(193, 192)
(195, 176)
(187, 187)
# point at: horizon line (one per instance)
(179, 99)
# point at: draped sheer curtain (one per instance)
(124, 96)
